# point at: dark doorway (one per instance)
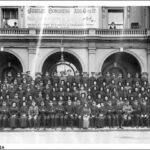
(9, 63)
(121, 62)
(53, 64)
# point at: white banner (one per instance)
(62, 17)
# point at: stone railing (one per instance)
(132, 32)
(13, 31)
(76, 32)
(73, 32)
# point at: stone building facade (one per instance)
(93, 47)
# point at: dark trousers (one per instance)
(136, 120)
(33, 121)
(110, 120)
(93, 121)
(127, 119)
(51, 120)
(42, 120)
(78, 121)
(100, 123)
(13, 121)
(3, 120)
(69, 120)
(59, 120)
(145, 120)
(119, 119)
(23, 121)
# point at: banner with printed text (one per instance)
(62, 17)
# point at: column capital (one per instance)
(148, 52)
(92, 47)
(92, 50)
(32, 50)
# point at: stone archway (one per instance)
(121, 62)
(9, 63)
(53, 60)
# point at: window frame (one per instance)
(8, 7)
(119, 9)
(9, 10)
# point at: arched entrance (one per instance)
(53, 64)
(121, 62)
(9, 63)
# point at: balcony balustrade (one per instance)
(121, 32)
(13, 31)
(75, 32)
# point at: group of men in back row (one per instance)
(98, 101)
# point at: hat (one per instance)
(28, 86)
(16, 94)
(42, 102)
(97, 73)
(38, 73)
(4, 102)
(46, 72)
(27, 71)
(84, 73)
(76, 71)
(83, 93)
(89, 95)
(93, 102)
(50, 101)
(60, 101)
(23, 73)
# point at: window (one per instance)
(10, 17)
(116, 16)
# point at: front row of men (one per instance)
(75, 115)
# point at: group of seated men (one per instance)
(98, 101)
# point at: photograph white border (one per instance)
(75, 146)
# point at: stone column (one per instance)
(92, 60)
(148, 63)
(1, 24)
(32, 53)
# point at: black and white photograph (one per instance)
(74, 73)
